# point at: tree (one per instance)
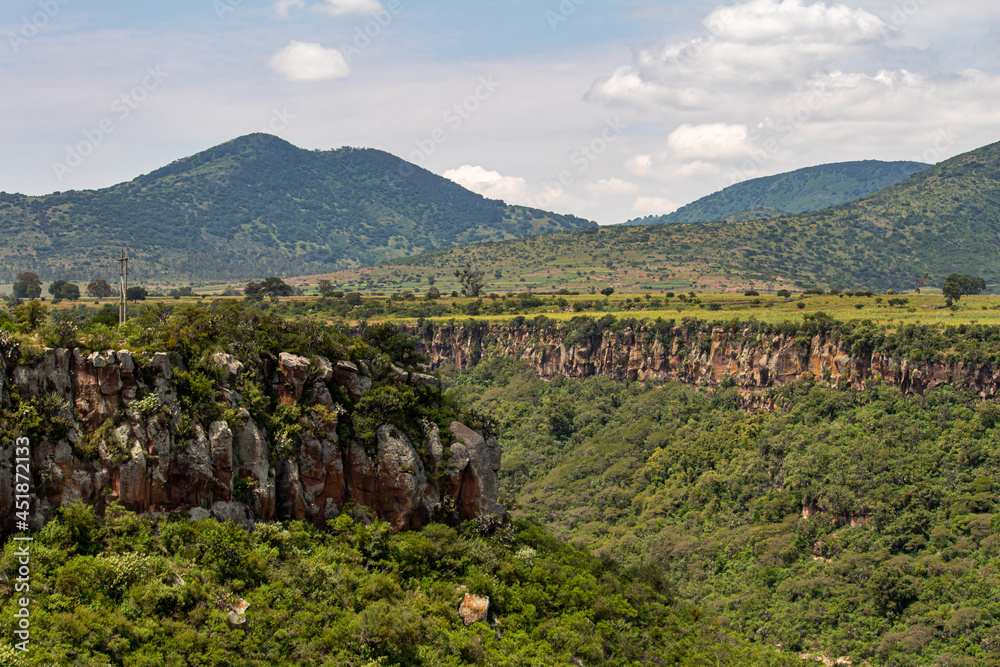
(99, 288)
(30, 314)
(136, 294)
(784, 294)
(269, 287)
(958, 285)
(608, 291)
(185, 291)
(325, 287)
(432, 294)
(28, 286)
(70, 291)
(55, 286)
(472, 281)
(62, 289)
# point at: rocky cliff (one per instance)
(112, 426)
(693, 355)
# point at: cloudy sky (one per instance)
(609, 109)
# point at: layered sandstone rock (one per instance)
(125, 443)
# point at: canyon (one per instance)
(754, 362)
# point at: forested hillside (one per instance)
(809, 189)
(253, 207)
(945, 219)
(842, 523)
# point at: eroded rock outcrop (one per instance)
(118, 431)
(688, 354)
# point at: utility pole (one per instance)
(123, 286)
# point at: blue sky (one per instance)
(607, 109)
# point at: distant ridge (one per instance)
(799, 191)
(256, 206)
(942, 220)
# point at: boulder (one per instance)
(232, 367)
(402, 483)
(220, 440)
(423, 381)
(347, 375)
(324, 370)
(238, 513)
(473, 608)
(477, 465)
(293, 371)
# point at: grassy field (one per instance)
(928, 309)
(922, 309)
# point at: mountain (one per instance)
(944, 219)
(252, 207)
(809, 189)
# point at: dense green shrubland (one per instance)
(129, 591)
(842, 523)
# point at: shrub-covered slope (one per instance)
(252, 207)
(129, 591)
(842, 523)
(809, 189)
(942, 220)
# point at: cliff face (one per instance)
(753, 362)
(122, 435)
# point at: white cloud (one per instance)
(342, 7)
(304, 61)
(640, 164)
(490, 184)
(696, 169)
(777, 21)
(646, 205)
(611, 187)
(712, 140)
(774, 85)
(282, 8)
(759, 45)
